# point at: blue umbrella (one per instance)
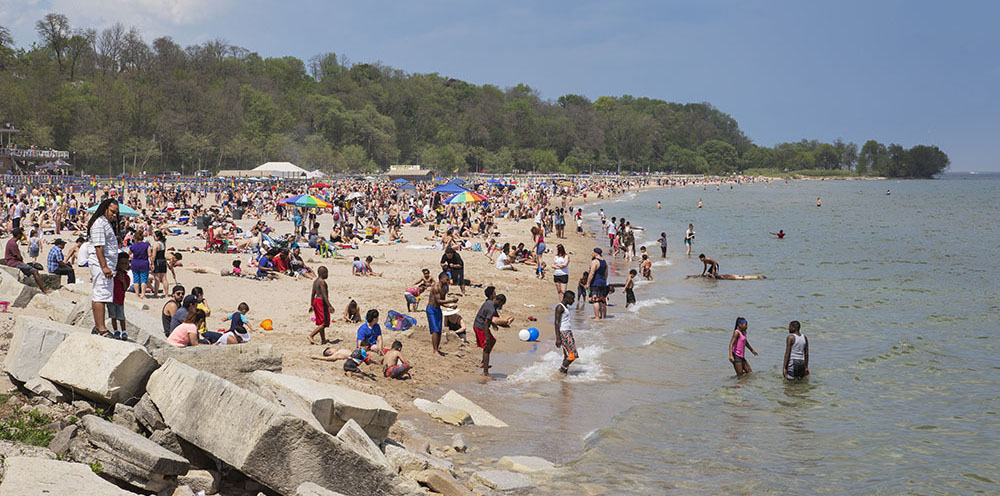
(399, 181)
(457, 180)
(449, 188)
(123, 210)
(494, 181)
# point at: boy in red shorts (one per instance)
(320, 306)
(486, 318)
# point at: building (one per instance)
(412, 173)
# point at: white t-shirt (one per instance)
(102, 234)
(563, 271)
(502, 260)
(83, 255)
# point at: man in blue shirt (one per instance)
(265, 267)
(56, 265)
(371, 332)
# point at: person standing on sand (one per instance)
(435, 318)
(564, 330)
(738, 345)
(560, 270)
(597, 281)
(796, 363)
(689, 239)
(320, 306)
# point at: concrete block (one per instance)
(479, 415)
(32, 476)
(502, 480)
(355, 438)
(232, 363)
(446, 414)
(144, 328)
(526, 464)
(102, 369)
(202, 480)
(442, 482)
(260, 438)
(328, 406)
(127, 456)
(310, 489)
(32, 343)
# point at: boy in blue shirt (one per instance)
(371, 332)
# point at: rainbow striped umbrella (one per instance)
(465, 197)
(305, 201)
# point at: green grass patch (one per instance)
(27, 428)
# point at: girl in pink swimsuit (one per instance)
(737, 345)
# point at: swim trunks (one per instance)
(434, 319)
(397, 371)
(598, 293)
(321, 312)
(629, 296)
(485, 339)
(568, 344)
(796, 369)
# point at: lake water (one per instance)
(897, 295)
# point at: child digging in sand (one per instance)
(394, 365)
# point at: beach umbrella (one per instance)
(320, 185)
(399, 181)
(494, 181)
(305, 201)
(465, 197)
(457, 180)
(408, 185)
(449, 188)
(356, 194)
(123, 210)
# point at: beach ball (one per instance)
(267, 325)
(529, 334)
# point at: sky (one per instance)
(907, 72)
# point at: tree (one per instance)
(826, 157)
(758, 158)
(897, 160)
(873, 159)
(5, 39)
(77, 46)
(847, 153)
(925, 162)
(54, 31)
(719, 155)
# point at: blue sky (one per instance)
(904, 72)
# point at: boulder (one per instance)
(502, 480)
(125, 417)
(232, 363)
(202, 480)
(32, 476)
(102, 369)
(127, 456)
(478, 414)
(51, 305)
(310, 489)
(405, 461)
(327, 406)
(357, 439)
(61, 441)
(147, 415)
(13, 291)
(50, 281)
(182, 491)
(526, 464)
(442, 482)
(33, 342)
(143, 328)
(260, 438)
(12, 448)
(48, 390)
(446, 414)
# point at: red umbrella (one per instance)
(320, 185)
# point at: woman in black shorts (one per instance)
(560, 272)
(160, 263)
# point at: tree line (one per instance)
(113, 99)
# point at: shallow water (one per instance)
(895, 293)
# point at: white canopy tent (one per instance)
(282, 169)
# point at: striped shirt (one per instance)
(103, 234)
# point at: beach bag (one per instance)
(396, 321)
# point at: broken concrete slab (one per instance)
(127, 456)
(142, 327)
(526, 464)
(446, 414)
(147, 415)
(102, 369)
(32, 343)
(13, 291)
(479, 415)
(328, 406)
(50, 281)
(48, 390)
(355, 437)
(405, 461)
(55, 306)
(201, 480)
(232, 363)
(502, 480)
(61, 441)
(260, 438)
(442, 482)
(125, 417)
(33, 476)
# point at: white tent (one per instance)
(281, 169)
(316, 174)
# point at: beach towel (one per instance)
(396, 321)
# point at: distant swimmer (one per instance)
(689, 238)
(699, 203)
(796, 364)
(888, 192)
(658, 207)
(818, 202)
(711, 267)
(738, 345)
(780, 234)
(663, 245)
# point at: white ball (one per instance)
(524, 334)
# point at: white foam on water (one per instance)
(586, 368)
(649, 303)
(662, 263)
(641, 282)
(650, 243)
